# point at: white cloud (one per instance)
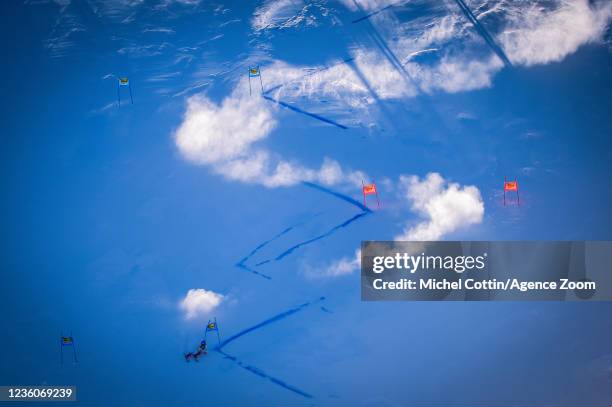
(162, 30)
(274, 13)
(445, 206)
(283, 14)
(346, 265)
(456, 75)
(536, 32)
(339, 82)
(199, 302)
(387, 81)
(375, 77)
(224, 137)
(366, 5)
(539, 35)
(212, 133)
(115, 9)
(139, 51)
